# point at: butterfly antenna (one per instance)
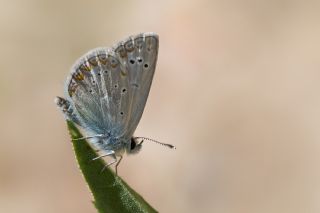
(163, 144)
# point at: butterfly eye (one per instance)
(146, 65)
(116, 86)
(132, 144)
(121, 113)
(124, 90)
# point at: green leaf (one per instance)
(110, 192)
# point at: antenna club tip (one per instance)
(172, 147)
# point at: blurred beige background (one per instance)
(236, 90)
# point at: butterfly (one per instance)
(106, 93)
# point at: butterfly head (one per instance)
(134, 146)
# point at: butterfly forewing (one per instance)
(140, 61)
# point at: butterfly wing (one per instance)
(108, 88)
(85, 92)
(138, 56)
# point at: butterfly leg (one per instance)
(104, 155)
(117, 164)
(109, 164)
(88, 137)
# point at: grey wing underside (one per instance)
(108, 88)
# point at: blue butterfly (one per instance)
(106, 93)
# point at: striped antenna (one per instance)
(163, 144)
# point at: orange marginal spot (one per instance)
(102, 58)
(72, 88)
(122, 51)
(93, 61)
(139, 42)
(84, 68)
(129, 46)
(123, 72)
(113, 62)
(78, 75)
